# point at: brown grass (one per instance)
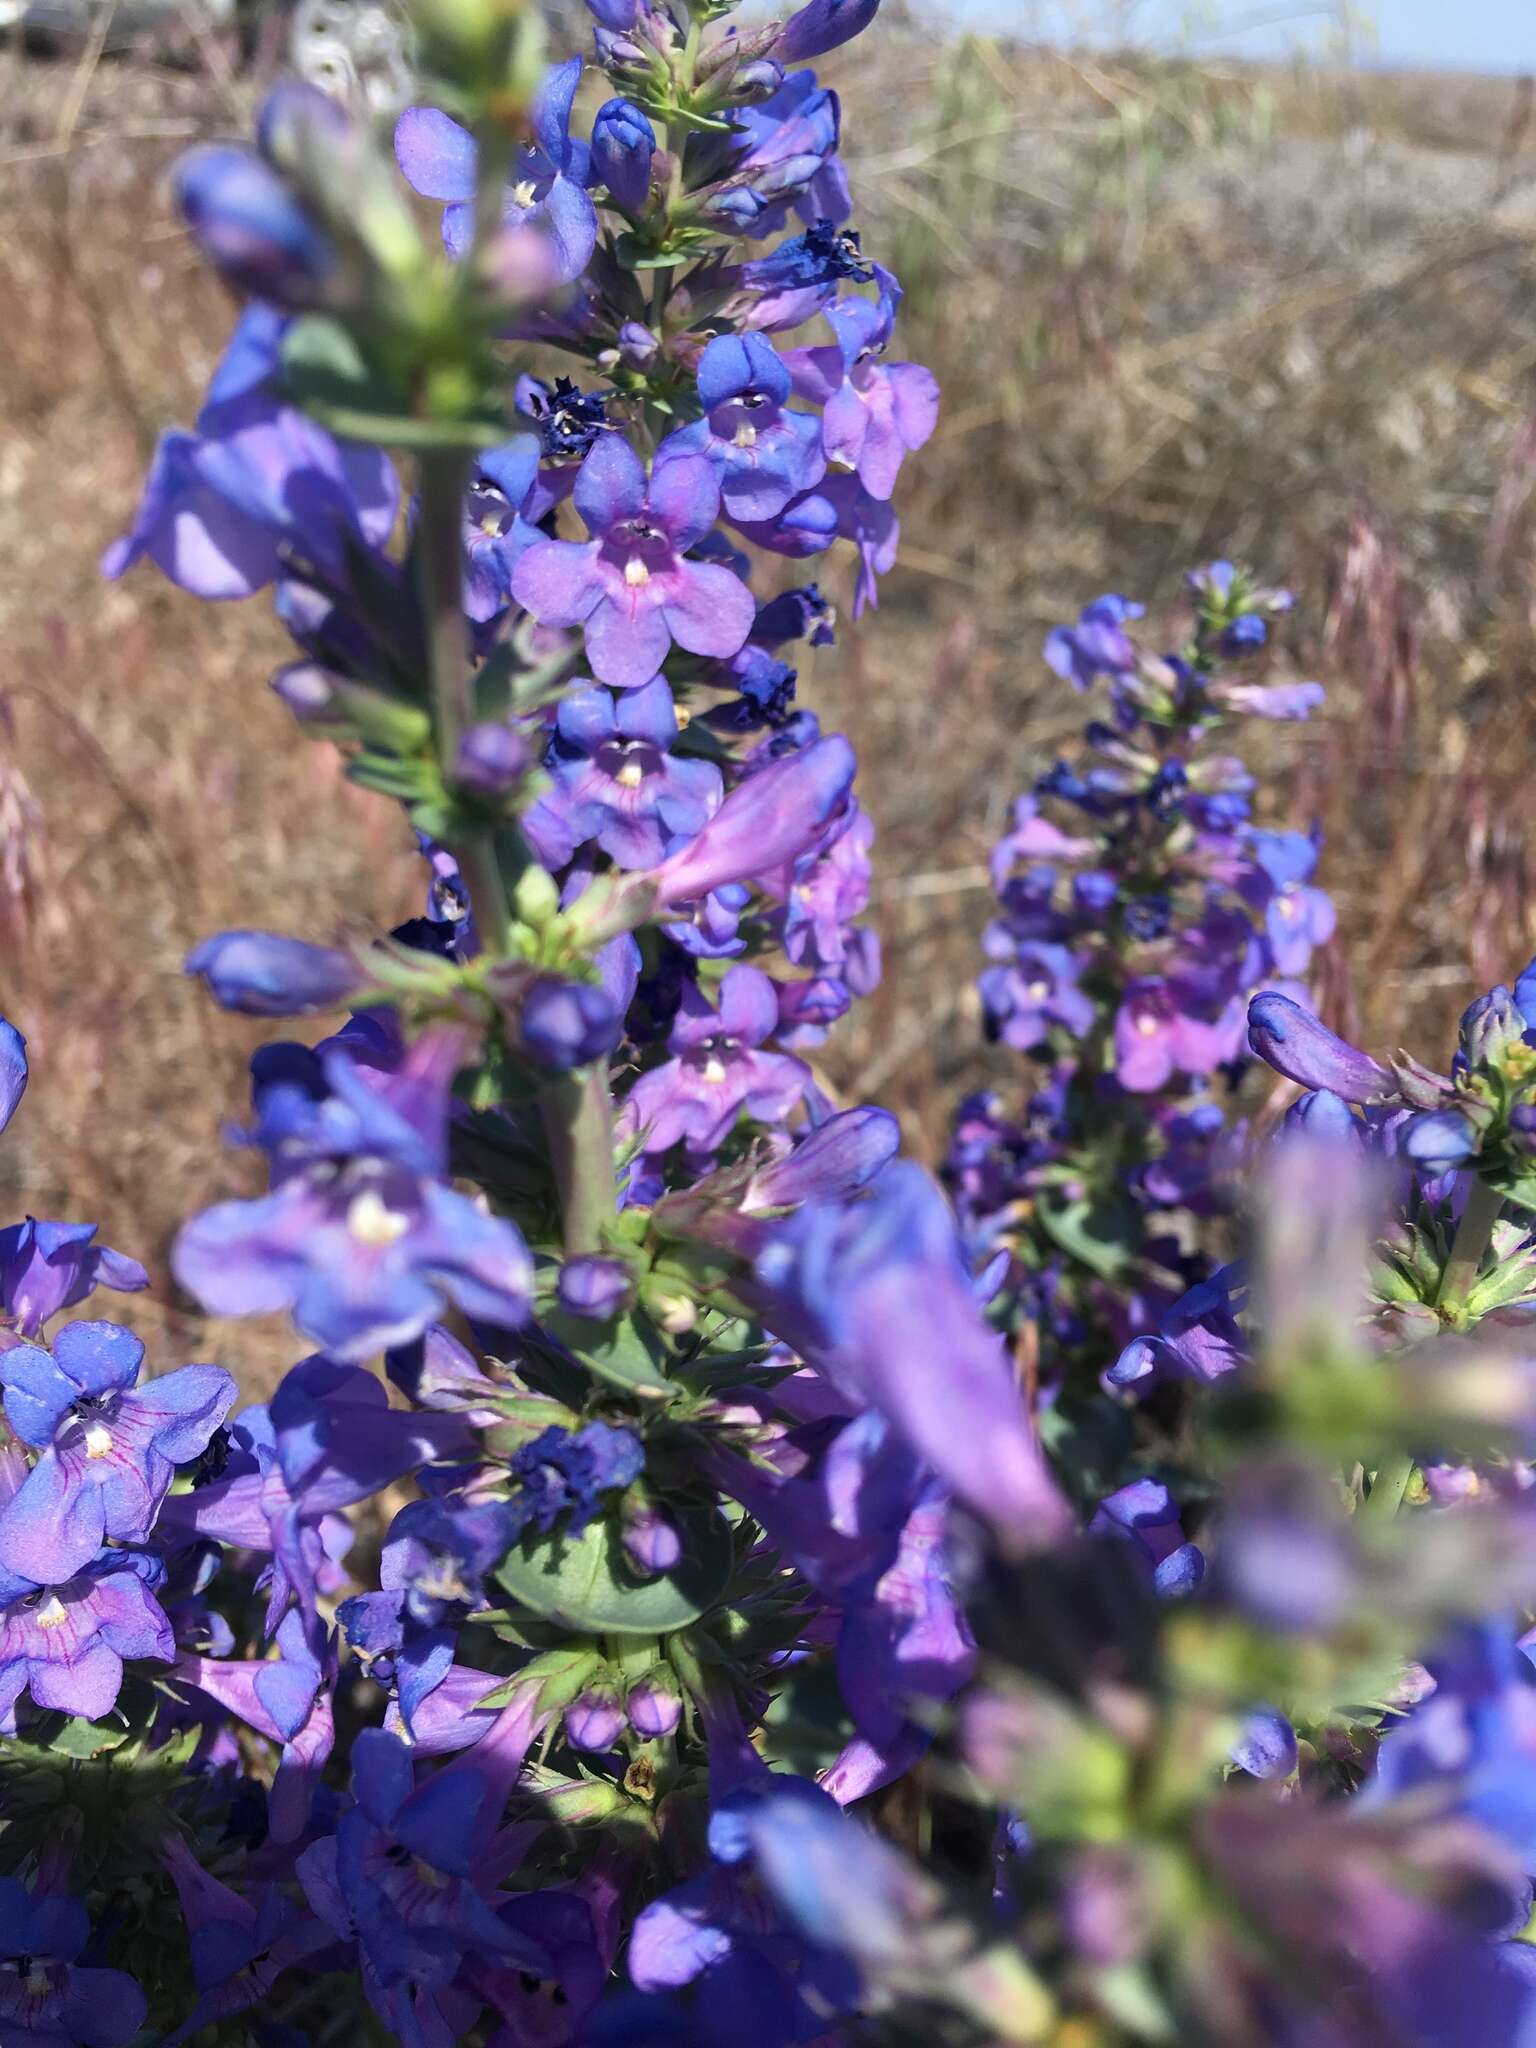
(1177, 311)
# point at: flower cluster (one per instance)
(658, 1487)
(1139, 908)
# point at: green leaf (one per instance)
(1095, 1234)
(626, 1353)
(82, 1739)
(585, 1582)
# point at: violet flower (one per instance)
(361, 1239)
(46, 1267)
(66, 1641)
(874, 1293)
(1034, 990)
(225, 506)
(630, 587)
(545, 185)
(616, 781)
(1160, 1032)
(876, 414)
(109, 1448)
(1297, 917)
(718, 1069)
(790, 158)
(45, 1995)
(763, 454)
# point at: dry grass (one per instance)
(1177, 311)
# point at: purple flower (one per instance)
(45, 1996)
(1145, 1515)
(595, 1718)
(46, 1267)
(66, 1640)
(1469, 1749)
(239, 1948)
(789, 157)
(398, 1876)
(567, 1472)
(499, 524)
(776, 817)
(361, 1239)
(1036, 989)
(109, 1448)
(544, 188)
(630, 587)
(757, 1981)
(1097, 645)
(763, 454)
(904, 1643)
(616, 781)
(875, 1294)
(875, 413)
(223, 506)
(1159, 1032)
(264, 974)
(288, 1700)
(1296, 917)
(718, 1070)
(1198, 1338)
(1294, 1043)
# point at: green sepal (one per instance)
(562, 1674)
(585, 1582)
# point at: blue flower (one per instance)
(763, 453)
(109, 1448)
(544, 187)
(45, 1996)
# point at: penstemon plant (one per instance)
(1139, 909)
(660, 1486)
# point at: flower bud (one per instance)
(652, 1540)
(1489, 1027)
(251, 227)
(823, 26)
(765, 822)
(263, 974)
(1295, 1044)
(593, 1287)
(492, 759)
(655, 1706)
(623, 144)
(595, 1718)
(1441, 1139)
(566, 1024)
(638, 346)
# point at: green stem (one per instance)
(578, 1124)
(1473, 1233)
(444, 477)
(1388, 1488)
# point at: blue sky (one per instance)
(1482, 35)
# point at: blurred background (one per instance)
(1195, 284)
